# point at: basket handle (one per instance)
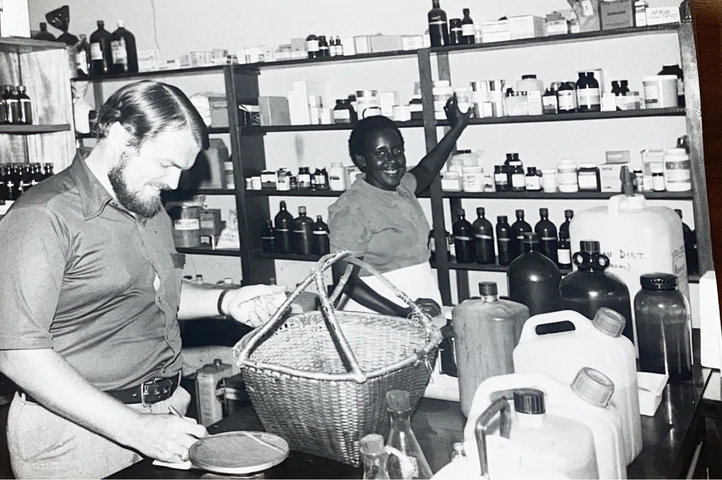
(328, 311)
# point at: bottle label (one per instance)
(187, 224)
(120, 53)
(320, 233)
(517, 180)
(588, 97)
(462, 239)
(587, 9)
(342, 114)
(677, 172)
(532, 183)
(319, 180)
(484, 237)
(432, 245)
(548, 239)
(312, 45)
(566, 100)
(467, 30)
(301, 232)
(501, 179)
(504, 239)
(96, 53)
(284, 230)
(588, 181)
(520, 237)
(81, 61)
(651, 94)
(565, 256)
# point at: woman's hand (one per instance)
(454, 115)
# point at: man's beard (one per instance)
(129, 199)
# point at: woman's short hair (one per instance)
(147, 108)
(357, 140)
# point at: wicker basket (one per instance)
(319, 380)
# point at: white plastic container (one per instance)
(473, 179)
(337, 177)
(549, 180)
(660, 91)
(442, 91)
(598, 345)
(567, 176)
(677, 170)
(451, 181)
(550, 442)
(585, 401)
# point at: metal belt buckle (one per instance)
(152, 391)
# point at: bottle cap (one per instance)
(282, 204)
(319, 218)
(659, 281)
(398, 400)
(589, 246)
(593, 387)
(372, 444)
(480, 211)
(609, 321)
(520, 213)
(544, 212)
(302, 210)
(502, 219)
(529, 400)
(121, 23)
(228, 281)
(336, 164)
(528, 77)
(568, 213)
(488, 289)
(459, 446)
(530, 238)
(462, 212)
(679, 212)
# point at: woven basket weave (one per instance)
(319, 380)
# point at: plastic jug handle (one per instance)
(500, 406)
(577, 319)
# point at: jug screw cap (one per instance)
(502, 218)
(372, 444)
(488, 289)
(529, 400)
(568, 213)
(593, 387)
(609, 321)
(398, 400)
(589, 246)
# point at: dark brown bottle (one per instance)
(518, 229)
(302, 233)
(547, 234)
(455, 35)
(3, 191)
(124, 50)
(43, 34)
(283, 224)
(323, 47)
(8, 183)
(12, 106)
(26, 177)
(564, 227)
(438, 26)
(25, 108)
(468, 32)
(48, 170)
(37, 174)
(321, 243)
(268, 238)
(534, 279)
(17, 182)
(464, 239)
(503, 240)
(484, 238)
(447, 351)
(101, 57)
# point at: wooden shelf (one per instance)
(294, 193)
(283, 256)
(255, 130)
(34, 129)
(560, 39)
(305, 62)
(207, 70)
(219, 252)
(564, 196)
(180, 193)
(26, 45)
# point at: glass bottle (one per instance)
(518, 229)
(302, 233)
(3, 191)
(690, 246)
(320, 179)
(547, 233)
(664, 328)
(17, 182)
(447, 350)
(339, 47)
(590, 287)
(323, 47)
(43, 34)
(12, 112)
(588, 93)
(464, 239)
(37, 174)
(504, 240)
(484, 238)
(101, 57)
(26, 177)
(534, 279)
(564, 227)
(501, 178)
(342, 112)
(567, 97)
(458, 453)
(402, 438)
(304, 179)
(25, 108)
(321, 243)
(532, 181)
(123, 50)
(82, 57)
(550, 104)
(438, 25)
(312, 46)
(374, 457)
(9, 183)
(268, 238)
(564, 251)
(518, 179)
(455, 35)
(468, 32)
(283, 224)
(48, 170)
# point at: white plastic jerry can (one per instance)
(638, 239)
(578, 343)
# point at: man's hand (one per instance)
(166, 437)
(454, 115)
(254, 305)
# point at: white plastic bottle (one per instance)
(337, 177)
(599, 345)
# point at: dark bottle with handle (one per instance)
(484, 238)
(590, 287)
(302, 233)
(321, 243)
(503, 240)
(518, 229)
(547, 233)
(464, 239)
(534, 279)
(283, 224)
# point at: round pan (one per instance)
(238, 453)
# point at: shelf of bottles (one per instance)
(219, 252)
(534, 195)
(321, 127)
(289, 256)
(17, 178)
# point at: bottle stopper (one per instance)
(398, 400)
(593, 387)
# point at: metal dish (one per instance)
(238, 453)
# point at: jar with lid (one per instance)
(283, 180)
(549, 180)
(679, 73)
(658, 179)
(532, 180)
(664, 328)
(677, 175)
(588, 94)
(451, 181)
(501, 178)
(518, 179)
(567, 176)
(473, 179)
(588, 178)
(342, 111)
(442, 92)
(337, 177)
(304, 179)
(550, 103)
(463, 97)
(268, 179)
(529, 83)
(567, 96)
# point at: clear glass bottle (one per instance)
(82, 57)
(402, 438)
(374, 457)
(664, 327)
(464, 239)
(534, 279)
(484, 238)
(547, 233)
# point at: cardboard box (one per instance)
(662, 15)
(557, 26)
(387, 100)
(219, 110)
(526, 26)
(495, 31)
(148, 60)
(298, 100)
(412, 42)
(616, 14)
(349, 46)
(385, 43)
(619, 156)
(609, 177)
(274, 111)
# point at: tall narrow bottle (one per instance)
(283, 224)
(564, 227)
(12, 110)
(464, 239)
(402, 438)
(438, 26)
(303, 233)
(484, 238)
(518, 229)
(82, 57)
(468, 32)
(547, 233)
(268, 238)
(504, 240)
(124, 51)
(321, 243)
(564, 250)
(534, 279)
(101, 57)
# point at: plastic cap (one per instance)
(529, 400)
(336, 164)
(480, 211)
(101, 23)
(544, 212)
(121, 23)
(228, 281)
(589, 246)
(502, 219)
(593, 387)
(398, 400)
(488, 289)
(528, 77)
(659, 281)
(372, 444)
(462, 212)
(609, 321)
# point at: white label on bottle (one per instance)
(532, 183)
(680, 87)
(651, 94)
(588, 97)
(677, 172)
(504, 239)
(566, 100)
(484, 237)
(467, 30)
(462, 239)
(565, 256)
(320, 232)
(517, 180)
(282, 230)
(641, 18)
(312, 45)
(81, 61)
(96, 53)
(342, 114)
(187, 224)
(120, 53)
(588, 181)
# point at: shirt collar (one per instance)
(93, 195)
(365, 186)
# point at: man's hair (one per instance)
(357, 140)
(147, 108)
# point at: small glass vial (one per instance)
(658, 179)
(567, 176)
(550, 103)
(304, 179)
(638, 180)
(588, 178)
(283, 182)
(549, 180)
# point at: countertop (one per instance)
(670, 437)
